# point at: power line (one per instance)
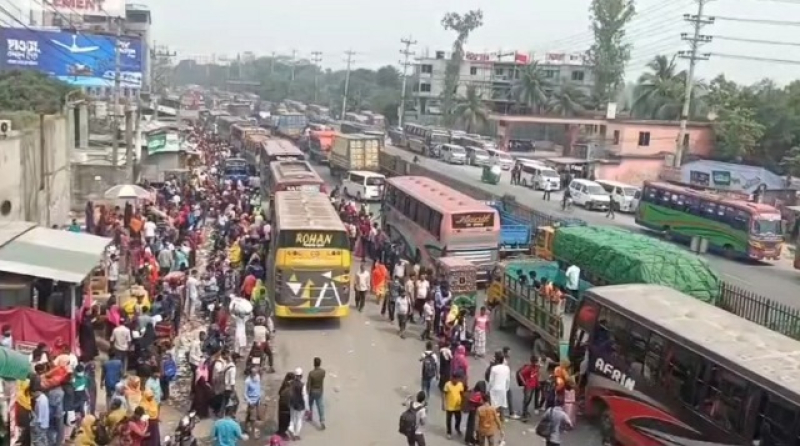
(694, 43)
(349, 54)
(407, 54)
(758, 59)
(758, 41)
(760, 21)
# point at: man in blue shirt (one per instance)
(227, 431)
(110, 375)
(252, 396)
(41, 419)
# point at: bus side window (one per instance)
(680, 373)
(776, 421)
(436, 223)
(725, 398)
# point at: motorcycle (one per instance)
(183, 432)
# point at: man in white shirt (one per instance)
(113, 273)
(230, 380)
(399, 269)
(192, 294)
(573, 281)
(422, 286)
(150, 228)
(403, 311)
(548, 189)
(362, 287)
(121, 339)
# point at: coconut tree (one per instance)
(567, 100)
(659, 93)
(532, 87)
(471, 111)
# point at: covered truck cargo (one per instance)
(610, 256)
(355, 152)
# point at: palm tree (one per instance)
(471, 110)
(567, 100)
(659, 93)
(531, 89)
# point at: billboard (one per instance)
(80, 59)
(111, 8)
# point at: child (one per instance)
(80, 383)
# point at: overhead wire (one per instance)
(758, 41)
(755, 58)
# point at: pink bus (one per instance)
(430, 220)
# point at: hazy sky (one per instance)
(373, 28)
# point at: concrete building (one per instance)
(35, 168)
(137, 23)
(493, 74)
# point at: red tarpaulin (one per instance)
(30, 327)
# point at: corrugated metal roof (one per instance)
(65, 256)
(306, 210)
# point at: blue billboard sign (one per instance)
(80, 59)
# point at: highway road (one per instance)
(777, 280)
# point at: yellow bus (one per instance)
(310, 257)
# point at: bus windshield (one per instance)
(630, 191)
(375, 181)
(767, 225)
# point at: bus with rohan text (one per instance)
(658, 367)
(430, 220)
(310, 257)
(734, 228)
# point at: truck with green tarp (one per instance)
(605, 256)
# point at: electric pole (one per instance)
(161, 61)
(695, 40)
(349, 54)
(117, 88)
(407, 53)
(294, 59)
(316, 58)
(272, 64)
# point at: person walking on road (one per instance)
(559, 422)
(453, 396)
(362, 287)
(403, 311)
(499, 383)
(611, 207)
(548, 189)
(316, 384)
(226, 431)
(430, 368)
(298, 403)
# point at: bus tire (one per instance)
(729, 252)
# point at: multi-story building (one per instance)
(493, 75)
(137, 24)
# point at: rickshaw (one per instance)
(491, 174)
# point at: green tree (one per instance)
(471, 111)
(567, 100)
(532, 88)
(609, 54)
(659, 93)
(737, 133)
(31, 91)
(791, 162)
(463, 25)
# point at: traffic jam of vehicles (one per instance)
(630, 330)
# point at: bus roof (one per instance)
(758, 208)
(306, 210)
(293, 170)
(761, 355)
(278, 147)
(438, 196)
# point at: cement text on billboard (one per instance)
(84, 6)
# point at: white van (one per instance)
(536, 175)
(500, 158)
(364, 185)
(626, 197)
(453, 154)
(589, 194)
(477, 156)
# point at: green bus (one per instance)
(734, 228)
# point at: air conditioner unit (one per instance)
(5, 127)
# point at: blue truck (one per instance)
(515, 233)
(238, 169)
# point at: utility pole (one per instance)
(161, 59)
(695, 40)
(291, 75)
(349, 54)
(272, 63)
(316, 58)
(407, 53)
(117, 88)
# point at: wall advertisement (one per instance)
(80, 59)
(109, 8)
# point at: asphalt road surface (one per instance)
(776, 280)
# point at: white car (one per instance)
(500, 158)
(364, 185)
(452, 154)
(589, 194)
(626, 197)
(536, 175)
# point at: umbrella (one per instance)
(128, 192)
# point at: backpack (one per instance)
(170, 369)
(408, 421)
(545, 427)
(428, 366)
